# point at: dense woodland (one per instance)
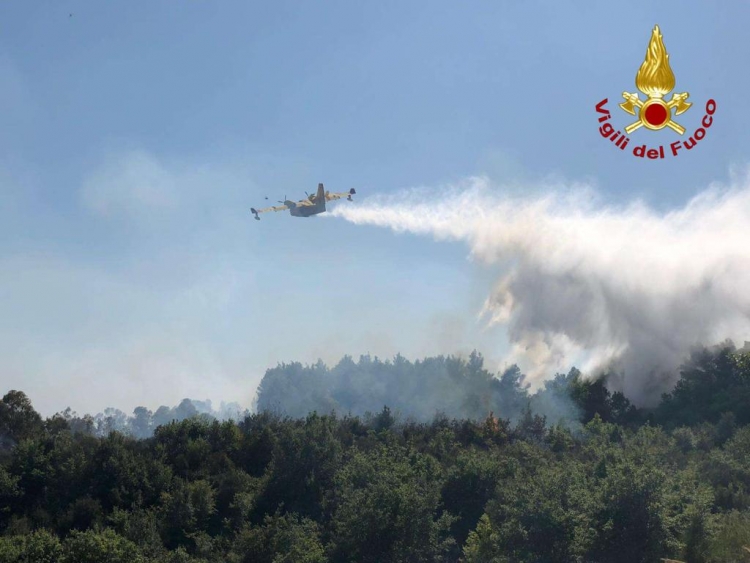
(573, 473)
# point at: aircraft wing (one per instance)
(274, 208)
(348, 195)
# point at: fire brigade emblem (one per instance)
(655, 79)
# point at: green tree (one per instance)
(9, 493)
(482, 545)
(97, 547)
(141, 422)
(18, 419)
(387, 509)
(283, 538)
(305, 459)
(732, 533)
(469, 485)
(544, 513)
(39, 546)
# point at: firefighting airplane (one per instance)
(314, 204)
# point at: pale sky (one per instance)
(135, 137)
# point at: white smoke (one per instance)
(626, 289)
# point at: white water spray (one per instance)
(626, 289)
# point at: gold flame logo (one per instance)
(655, 79)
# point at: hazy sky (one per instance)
(135, 136)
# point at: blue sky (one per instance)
(135, 136)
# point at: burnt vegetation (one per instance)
(326, 471)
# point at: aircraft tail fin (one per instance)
(321, 195)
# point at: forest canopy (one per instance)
(324, 472)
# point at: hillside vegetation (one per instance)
(488, 480)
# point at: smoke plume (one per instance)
(625, 289)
